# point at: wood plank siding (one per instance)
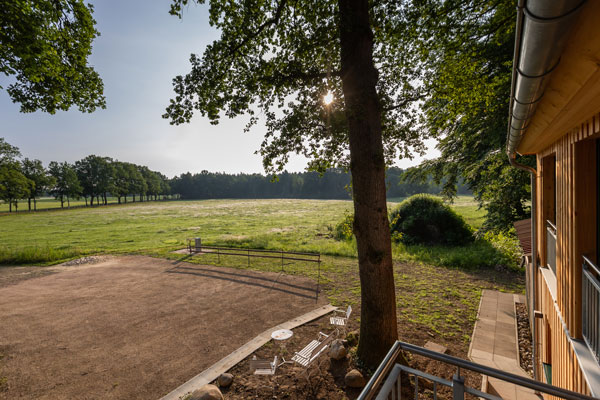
(566, 195)
(554, 347)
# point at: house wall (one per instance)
(558, 296)
(554, 347)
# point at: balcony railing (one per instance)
(590, 306)
(386, 383)
(551, 246)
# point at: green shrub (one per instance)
(344, 230)
(507, 244)
(423, 219)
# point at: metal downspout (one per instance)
(544, 40)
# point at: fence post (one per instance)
(458, 386)
(248, 258)
(281, 260)
(319, 276)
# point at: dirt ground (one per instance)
(131, 327)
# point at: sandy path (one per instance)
(133, 327)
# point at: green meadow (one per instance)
(438, 287)
(45, 203)
(158, 228)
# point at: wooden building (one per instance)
(555, 115)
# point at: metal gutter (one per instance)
(540, 37)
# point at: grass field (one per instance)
(449, 278)
(160, 227)
(45, 203)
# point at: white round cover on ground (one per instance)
(282, 334)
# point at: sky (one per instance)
(140, 50)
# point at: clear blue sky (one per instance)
(140, 50)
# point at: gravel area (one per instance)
(133, 327)
(524, 338)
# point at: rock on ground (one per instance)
(225, 380)
(337, 351)
(206, 392)
(355, 379)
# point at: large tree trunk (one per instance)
(378, 325)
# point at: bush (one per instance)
(507, 244)
(344, 230)
(423, 219)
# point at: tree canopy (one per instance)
(45, 45)
(467, 47)
(279, 59)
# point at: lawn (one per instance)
(45, 203)
(158, 228)
(437, 289)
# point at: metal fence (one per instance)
(551, 246)
(590, 306)
(195, 246)
(386, 383)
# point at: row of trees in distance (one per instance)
(333, 184)
(94, 178)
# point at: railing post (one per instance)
(458, 386)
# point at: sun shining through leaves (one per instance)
(328, 98)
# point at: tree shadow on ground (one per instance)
(248, 278)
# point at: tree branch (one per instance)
(404, 102)
(267, 23)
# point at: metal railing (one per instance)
(551, 246)
(386, 383)
(590, 305)
(195, 246)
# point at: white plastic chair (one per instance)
(341, 320)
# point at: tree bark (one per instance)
(378, 324)
(34, 204)
(29, 203)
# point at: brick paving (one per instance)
(494, 342)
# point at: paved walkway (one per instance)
(494, 342)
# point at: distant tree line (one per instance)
(96, 178)
(333, 184)
(93, 178)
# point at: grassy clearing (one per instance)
(165, 226)
(45, 203)
(438, 288)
